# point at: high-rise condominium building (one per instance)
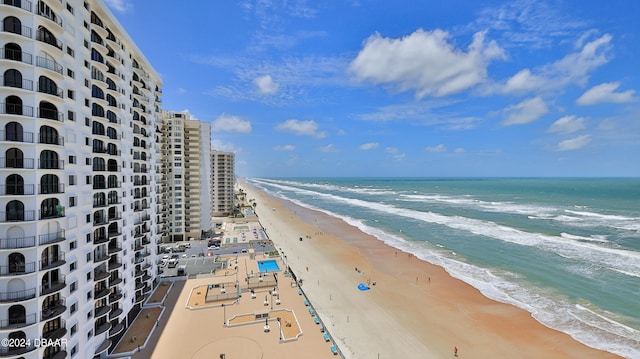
(79, 210)
(222, 182)
(187, 159)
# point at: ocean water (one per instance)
(566, 250)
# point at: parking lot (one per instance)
(200, 259)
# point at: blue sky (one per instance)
(403, 88)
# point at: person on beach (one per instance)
(455, 351)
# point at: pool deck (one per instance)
(210, 320)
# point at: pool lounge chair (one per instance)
(334, 350)
(306, 302)
(326, 337)
(299, 291)
(315, 319)
(312, 311)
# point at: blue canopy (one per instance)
(363, 286)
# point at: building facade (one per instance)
(222, 183)
(188, 196)
(80, 174)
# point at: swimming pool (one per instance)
(270, 265)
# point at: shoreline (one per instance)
(415, 309)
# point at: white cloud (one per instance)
(424, 62)
(301, 128)
(459, 150)
(605, 93)
(284, 148)
(574, 68)
(523, 81)
(574, 143)
(369, 146)
(438, 148)
(226, 147)
(525, 112)
(567, 124)
(227, 123)
(181, 90)
(328, 148)
(119, 5)
(266, 85)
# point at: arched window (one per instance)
(14, 158)
(113, 181)
(112, 85)
(113, 197)
(96, 38)
(97, 128)
(13, 132)
(98, 146)
(96, 56)
(50, 207)
(13, 52)
(99, 182)
(97, 110)
(15, 184)
(17, 314)
(12, 24)
(111, 116)
(97, 92)
(49, 160)
(47, 37)
(14, 105)
(16, 263)
(112, 101)
(15, 211)
(49, 135)
(112, 133)
(113, 214)
(49, 184)
(47, 85)
(98, 164)
(112, 149)
(12, 78)
(99, 200)
(48, 111)
(17, 340)
(112, 165)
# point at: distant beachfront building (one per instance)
(222, 183)
(79, 178)
(188, 176)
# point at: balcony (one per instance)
(53, 286)
(9, 297)
(140, 298)
(18, 269)
(20, 322)
(52, 237)
(101, 311)
(100, 240)
(57, 333)
(115, 312)
(114, 281)
(6, 351)
(102, 347)
(100, 257)
(53, 310)
(101, 275)
(117, 329)
(115, 297)
(100, 293)
(114, 265)
(52, 262)
(114, 249)
(102, 328)
(17, 190)
(15, 243)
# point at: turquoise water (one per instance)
(268, 266)
(566, 250)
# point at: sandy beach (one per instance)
(413, 310)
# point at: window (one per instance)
(70, 73)
(69, 8)
(72, 245)
(72, 201)
(71, 115)
(73, 287)
(70, 52)
(72, 159)
(88, 276)
(73, 309)
(71, 94)
(72, 180)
